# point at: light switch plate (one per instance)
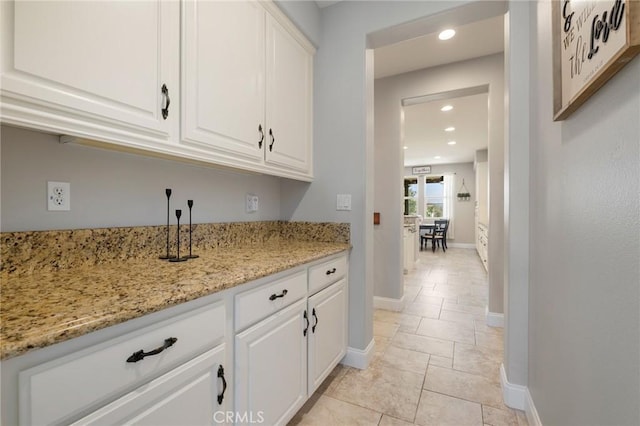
(252, 203)
(343, 202)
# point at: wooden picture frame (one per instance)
(592, 40)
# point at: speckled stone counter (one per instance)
(40, 306)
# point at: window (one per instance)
(410, 196)
(434, 196)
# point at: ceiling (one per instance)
(424, 124)
(425, 137)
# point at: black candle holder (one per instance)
(178, 258)
(167, 256)
(190, 255)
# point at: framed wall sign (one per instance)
(421, 170)
(592, 40)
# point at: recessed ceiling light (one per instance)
(449, 129)
(451, 143)
(446, 108)
(437, 157)
(447, 34)
(405, 147)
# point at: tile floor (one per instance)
(435, 363)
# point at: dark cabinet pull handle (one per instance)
(331, 271)
(273, 140)
(275, 296)
(261, 136)
(165, 110)
(304, 333)
(139, 356)
(313, 329)
(224, 384)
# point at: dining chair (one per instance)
(437, 235)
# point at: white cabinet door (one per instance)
(271, 367)
(192, 394)
(92, 69)
(223, 77)
(289, 99)
(328, 332)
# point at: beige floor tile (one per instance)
(405, 359)
(425, 298)
(495, 417)
(479, 360)
(384, 329)
(493, 341)
(329, 411)
(478, 301)
(429, 345)
(463, 308)
(482, 327)
(383, 315)
(440, 361)
(384, 389)
(458, 332)
(426, 310)
(522, 418)
(436, 409)
(407, 323)
(463, 385)
(392, 421)
(333, 379)
(461, 317)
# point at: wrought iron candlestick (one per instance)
(190, 256)
(178, 258)
(167, 256)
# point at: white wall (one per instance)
(584, 290)
(110, 188)
(390, 91)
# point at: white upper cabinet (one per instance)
(247, 81)
(92, 69)
(219, 82)
(289, 94)
(223, 78)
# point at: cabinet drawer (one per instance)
(59, 390)
(253, 305)
(326, 273)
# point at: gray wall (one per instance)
(388, 167)
(110, 188)
(584, 300)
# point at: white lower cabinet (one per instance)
(271, 366)
(192, 394)
(251, 354)
(328, 333)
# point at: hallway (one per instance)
(436, 363)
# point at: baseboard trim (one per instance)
(389, 304)
(494, 319)
(532, 414)
(515, 396)
(359, 358)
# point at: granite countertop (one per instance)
(43, 308)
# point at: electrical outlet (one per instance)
(58, 196)
(252, 203)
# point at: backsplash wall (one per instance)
(115, 189)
